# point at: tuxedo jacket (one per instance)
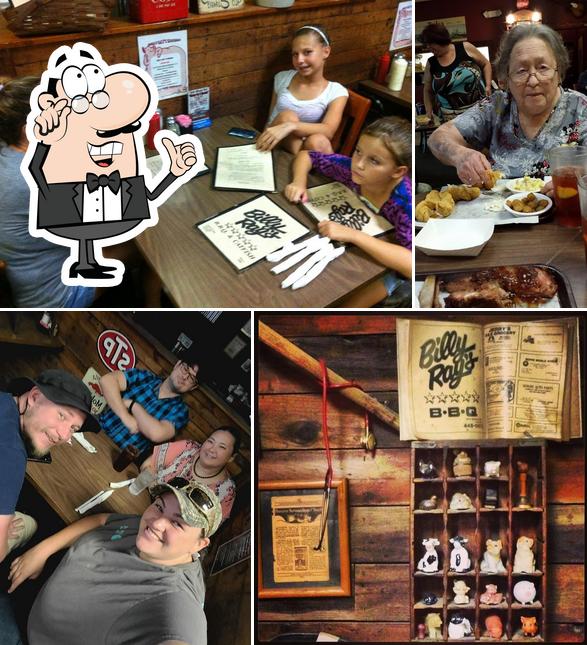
(62, 204)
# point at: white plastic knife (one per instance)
(300, 255)
(317, 269)
(306, 266)
(290, 248)
(94, 501)
(79, 437)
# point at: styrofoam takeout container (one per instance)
(463, 237)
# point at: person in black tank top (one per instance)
(456, 77)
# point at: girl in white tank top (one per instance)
(306, 109)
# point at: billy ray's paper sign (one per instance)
(337, 203)
(250, 231)
(244, 168)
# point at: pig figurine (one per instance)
(494, 626)
(491, 468)
(459, 627)
(490, 596)
(529, 626)
(524, 592)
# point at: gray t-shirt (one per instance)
(494, 123)
(34, 265)
(102, 593)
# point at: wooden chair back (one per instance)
(353, 118)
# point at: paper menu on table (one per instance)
(337, 203)
(244, 168)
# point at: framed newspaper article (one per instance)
(303, 540)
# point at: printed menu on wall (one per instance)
(250, 231)
(503, 380)
(337, 203)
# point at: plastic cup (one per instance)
(582, 183)
(566, 164)
(144, 479)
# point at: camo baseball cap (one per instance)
(198, 505)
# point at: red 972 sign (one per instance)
(116, 351)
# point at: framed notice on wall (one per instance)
(299, 556)
(337, 203)
(250, 231)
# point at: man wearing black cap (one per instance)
(35, 415)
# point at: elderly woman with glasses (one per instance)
(518, 125)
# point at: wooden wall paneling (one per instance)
(379, 594)
(238, 57)
(382, 632)
(294, 421)
(325, 325)
(368, 360)
(383, 480)
(566, 523)
(380, 533)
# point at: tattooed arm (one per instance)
(449, 147)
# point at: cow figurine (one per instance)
(459, 556)
(429, 561)
(459, 627)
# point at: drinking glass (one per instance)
(582, 183)
(566, 164)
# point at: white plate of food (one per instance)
(457, 237)
(525, 184)
(527, 204)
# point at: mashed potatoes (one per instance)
(527, 184)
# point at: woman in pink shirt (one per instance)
(205, 463)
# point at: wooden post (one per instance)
(296, 355)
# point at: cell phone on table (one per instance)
(242, 133)
(45, 459)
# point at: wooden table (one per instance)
(194, 272)
(75, 475)
(545, 243)
(403, 97)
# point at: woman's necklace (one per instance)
(205, 476)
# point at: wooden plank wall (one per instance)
(363, 348)
(237, 58)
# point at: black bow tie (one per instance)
(112, 180)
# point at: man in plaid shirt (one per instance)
(144, 408)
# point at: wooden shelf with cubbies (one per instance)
(507, 518)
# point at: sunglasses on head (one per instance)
(197, 496)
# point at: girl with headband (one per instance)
(306, 109)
